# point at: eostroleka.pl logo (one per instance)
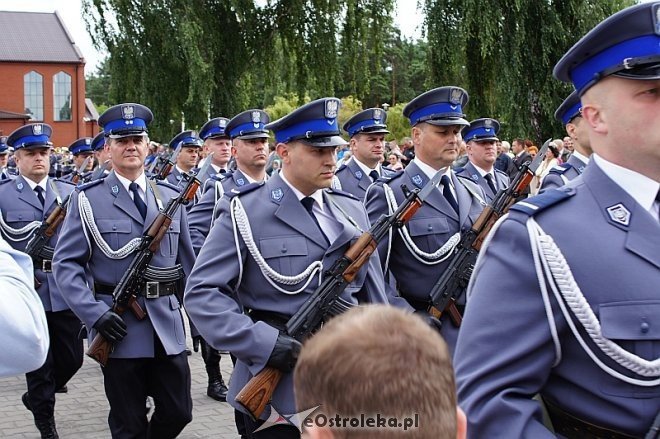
(295, 420)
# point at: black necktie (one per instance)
(222, 171)
(491, 184)
(446, 192)
(137, 199)
(40, 194)
(657, 200)
(374, 175)
(308, 203)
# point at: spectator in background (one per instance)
(521, 156)
(393, 162)
(549, 162)
(560, 147)
(23, 328)
(504, 162)
(462, 158)
(408, 150)
(532, 151)
(350, 349)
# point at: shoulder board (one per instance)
(501, 172)
(59, 180)
(459, 170)
(6, 181)
(392, 176)
(341, 168)
(534, 205)
(560, 169)
(387, 171)
(242, 190)
(466, 178)
(87, 185)
(168, 185)
(340, 192)
(221, 177)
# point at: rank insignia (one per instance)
(619, 214)
(240, 181)
(417, 179)
(37, 129)
(127, 112)
(19, 186)
(475, 177)
(276, 194)
(581, 169)
(358, 175)
(331, 108)
(115, 189)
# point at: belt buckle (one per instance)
(47, 266)
(152, 290)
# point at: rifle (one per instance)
(325, 301)
(457, 275)
(99, 171)
(77, 172)
(170, 162)
(132, 282)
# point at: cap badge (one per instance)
(417, 179)
(115, 189)
(488, 123)
(222, 123)
(128, 112)
(656, 19)
(377, 114)
(37, 129)
(456, 96)
(331, 108)
(256, 117)
(619, 214)
(88, 141)
(276, 194)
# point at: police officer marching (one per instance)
(417, 254)
(103, 162)
(191, 146)
(4, 159)
(217, 142)
(265, 253)
(25, 202)
(577, 314)
(81, 150)
(107, 218)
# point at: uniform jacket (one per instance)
(562, 174)
(433, 224)
(20, 206)
(502, 180)
(119, 221)
(354, 181)
(200, 215)
(505, 353)
(289, 240)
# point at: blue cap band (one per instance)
(309, 129)
(589, 70)
(478, 133)
(120, 125)
(32, 140)
(214, 131)
(440, 110)
(186, 141)
(360, 126)
(81, 148)
(248, 128)
(572, 112)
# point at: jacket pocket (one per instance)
(287, 255)
(116, 232)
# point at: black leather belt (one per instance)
(45, 265)
(571, 427)
(152, 290)
(274, 319)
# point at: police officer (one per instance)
(104, 164)
(574, 316)
(570, 114)
(480, 138)
(216, 141)
(287, 229)
(25, 202)
(367, 130)
(81, 149)
(188, 156)
(105, 218)
(4, 158)
(417, 254)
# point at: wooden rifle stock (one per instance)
(259, 390)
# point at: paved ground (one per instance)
(83, 412)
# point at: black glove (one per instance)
(111, 326)
(285, 353)
(430, 320)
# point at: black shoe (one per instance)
(63, 389)
(26, 403)
(47, 428)
(217, 390)
(188, 351)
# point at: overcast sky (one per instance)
(407, 18)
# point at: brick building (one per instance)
(42, 77)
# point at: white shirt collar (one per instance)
(180, 170)
(217, 168)
(583, 158)
(33, 184)
(317, 196)
(249, 179)
(366, 169)
(482, 172)
(641, 188)
(141, 181)
(429, 171)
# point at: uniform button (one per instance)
(430, 228)
(644, 327)
(284, 250)
(20, 217)
(114, 227)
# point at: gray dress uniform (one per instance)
(562, 174)
(501, 180)
(353, 180)
(289, 241)
(432, 226)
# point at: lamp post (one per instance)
(390, 69)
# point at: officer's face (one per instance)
(127, 154)
(101, 156)
(306, 167)
(221, 149)
(436, 145)
(187, 158)
(250, 153)
(33, 163)
(579, 132)
(482, 154)
(80, 158)
(4, 158)
(368, 148)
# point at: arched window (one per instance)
(62, 96)
(33, 95)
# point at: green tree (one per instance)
(97, 86)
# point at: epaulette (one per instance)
(341, 168)
(59, 180)
(340, 192)
(168, 185)
(387, 171)
(458, 170)
(220, 176)
(242, 190)
(89, 184)
(550, 197)
(388, 178)
(5, 181)
(560, 169)
(501, 172)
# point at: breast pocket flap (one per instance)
(428, 226)
(631, 320)
(283, 247)
(114, 226)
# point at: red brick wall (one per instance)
(12, 99)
